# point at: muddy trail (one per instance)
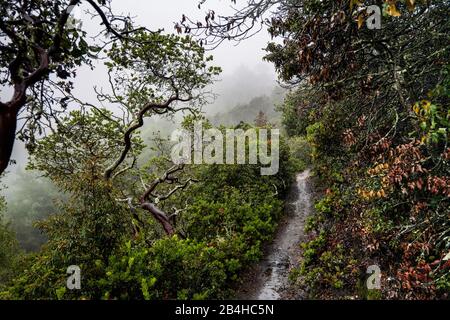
(268, 280)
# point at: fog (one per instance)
(245, 76)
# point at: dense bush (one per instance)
(85, 231)
(377, 119)
(230, 212)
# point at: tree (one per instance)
(216, 28)
(261, 119)
(40, 55)
(91, 155)
(165, 75)
(149, 73)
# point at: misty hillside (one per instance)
(248, 112)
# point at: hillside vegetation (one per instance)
(374, 106)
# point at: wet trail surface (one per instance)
(269, 279)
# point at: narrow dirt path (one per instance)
(269, 279)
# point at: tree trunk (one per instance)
(160, 216)
(8, 123)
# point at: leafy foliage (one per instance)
(230, 213)
(378, 127)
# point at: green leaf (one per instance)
(60, 292)
(423, 125)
